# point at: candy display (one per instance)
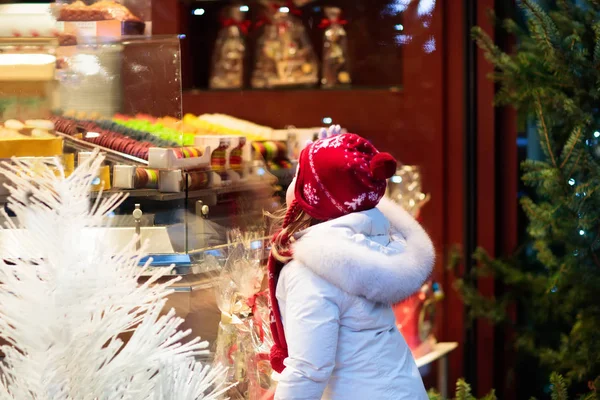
(177, 180)
(105, 138)
(178, 158)
(236, 156)
(31, 138)
(274, 153)
(227, 70)
(155, 128)
(284, 56)
(218, 159)
(222, 124)
(244, 338)
(335, 70)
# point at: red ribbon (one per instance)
(232, 350)
(251, 302)
(242, 25)
(325, 23)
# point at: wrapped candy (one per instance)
(285, 56)
(228, 56)
(244, 339)
(335, 70)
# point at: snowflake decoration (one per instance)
(332, 142)
(310, 193)
(356, 202)
(373, 196)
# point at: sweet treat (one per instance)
(219, 158)
(146, 178)
(197, 180)
(100, 11)
(29, 139)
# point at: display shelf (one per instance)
(153, 194)
(357, 88)
(439, 350)
(439, 353)
(111, 155)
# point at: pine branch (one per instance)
(570, 145)
(559, 388)
(540, 113)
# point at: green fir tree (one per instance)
(553, 76)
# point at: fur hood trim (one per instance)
(382, 254)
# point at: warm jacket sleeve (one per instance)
(311, 317)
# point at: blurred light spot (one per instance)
(257, 244)
(429, 46)
(90, 135)
(396, 179)
(244, 8)
(327, 120)
(572, 182)
(260, 171)
(96, 181)
(402, 39)
(596, 134)
(399, 27)
(425, 7)
(397, 7)
(284, 9)
(198, 11)
(581, 232)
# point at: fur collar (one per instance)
(381, 254)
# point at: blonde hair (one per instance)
(285, 224)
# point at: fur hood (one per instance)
(381, 254)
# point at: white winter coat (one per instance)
(335, 298)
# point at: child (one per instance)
(342, 258)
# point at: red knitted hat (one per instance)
(340, 175)
(336, 176)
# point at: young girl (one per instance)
(342, 258)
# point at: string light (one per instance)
(581, 232)
(572, 182)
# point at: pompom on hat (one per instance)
(337, 175)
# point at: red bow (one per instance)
(325, 23)
(242, 25)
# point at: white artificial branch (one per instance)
(64, 312)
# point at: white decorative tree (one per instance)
(63, 311)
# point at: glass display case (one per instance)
(188, 187)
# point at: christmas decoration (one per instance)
(66, 308)
(244, 339)
(554, 282)
(285, 56)
(335, 70)
(228, 56)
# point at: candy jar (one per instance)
(335, 70)
(227, 70)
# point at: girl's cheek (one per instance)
(289, 195)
